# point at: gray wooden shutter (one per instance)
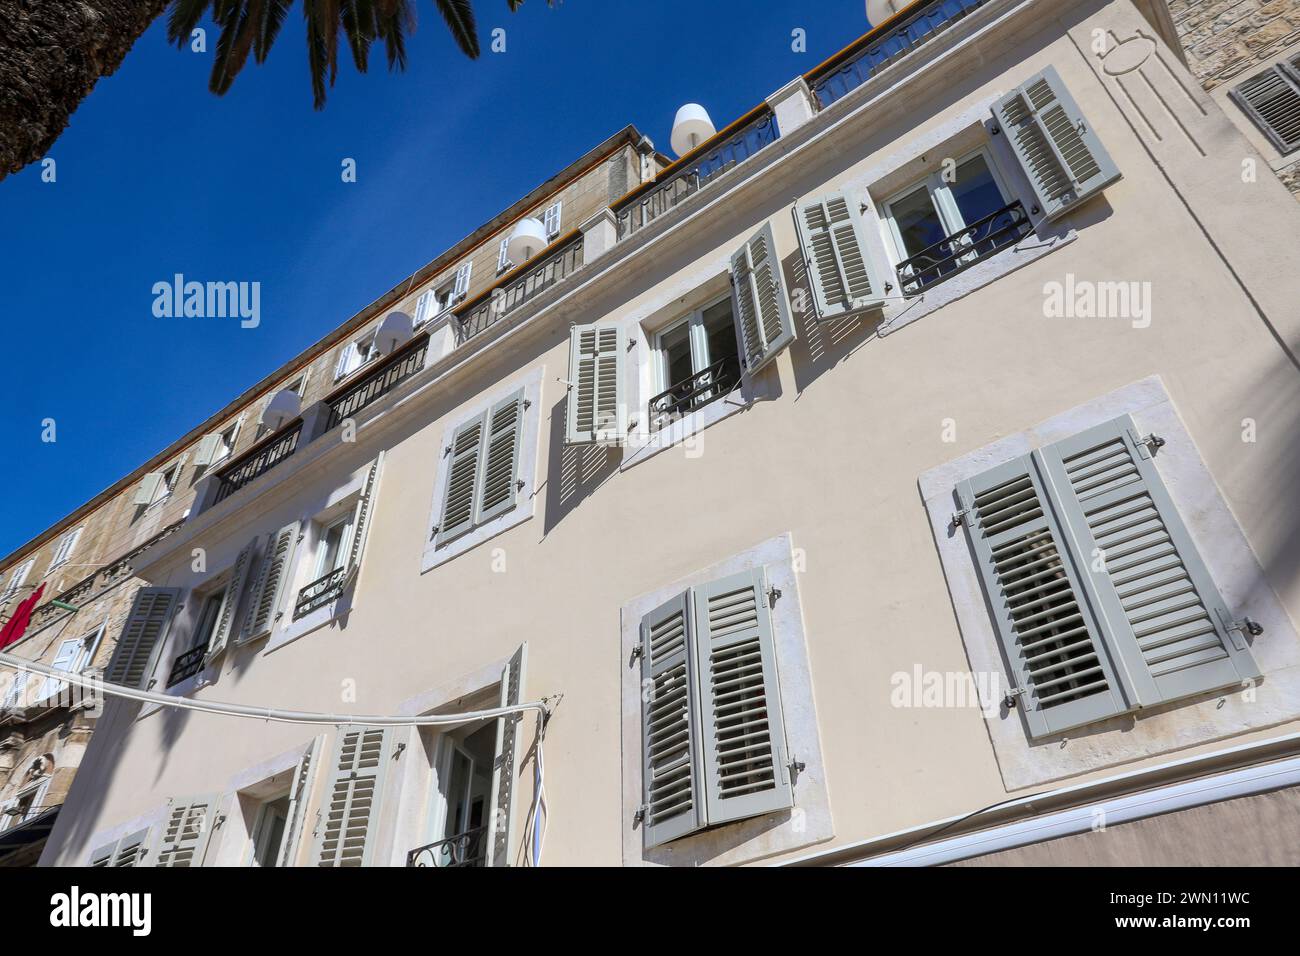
(347, 831)
(674, 802)
(267, 592)
(1272, 101)
(299, 797)
(764, 325)
(1160, 607)
(595, 409)
(500, 472)
(841, 269)
(147, 490)
(361, 515)
(185, 835)
(131, 849)
(142, 636)
(206, 452)
(1058, 148)
(103, 856)
(742, 733)
(230, 601)
(1052, 642)
(505, 768)
(462, 480)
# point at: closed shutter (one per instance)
(267, 592)
(299, 797)
(1061, 154)
(361, 516)
(425, 307)
(841, 268)
(461, 288)
(500, 471)
(230, 601)
(671, 775)
(142, 636)
(65, 659)
(742, 734)
(1160, 606)
(1272, 100)
(462, 479)
(1052, 643)
(149, 487)
(206, 452)
(503, 255)
(352, 813)
(349, 359)
(595, 409)
(186, 832)
(551, 220)
(505, 767)
(764, 325)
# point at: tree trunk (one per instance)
(51, 54)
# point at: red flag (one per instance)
(12, 632)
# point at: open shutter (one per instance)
(505, 768)
(103, 856)
(16, 579)
(348, 360)
(500, 472)
(131, 849)
(1166, 618)
(461, 288)
(267, 592)
(206, 452)
(16, 687)
(299, 796)
(551, 219)
(742, 733)
(595, 409)
(1052, 642)
(142, 636)
(185, 835)
(361, 516)
(503, 255)
(1272, 100)
(65, 659)
(764, 325)
(1057, 147)
(425, 307)
(673, 798)
(462, 479)
(148, 489)
(347, 830)
(230, 601)
(841, 269)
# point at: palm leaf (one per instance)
(459, 15)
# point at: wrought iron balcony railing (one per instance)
(520, 285)
(258, 460)
(963, 248)
(701, 388)
(463, 849)
(390, 372)
(320, 592)
(882, 47)
(187, 665)
(694, 171)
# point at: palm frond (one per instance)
(268, 28)
(459, 15)
(184, 17)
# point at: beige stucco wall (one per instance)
(831, 457)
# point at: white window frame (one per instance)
(17, 578)
(699, 342)
(63, 552)
(170, 477)
(87, 645)
(181, 637)
(324, 526)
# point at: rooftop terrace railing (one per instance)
(387, 374)
(522, 284)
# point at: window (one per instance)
(73, 656)
(332, 548)
(697, 362)
(268, 832)
(64, 551)
(551, 219)
(503, 255)
(1272, 101)
(156, 486)
(142, 636)
(354, 355)
(1100, 600)
(16, 580)
(216, 447)
(29, 803)
(190, 661)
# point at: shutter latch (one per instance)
(959, 517)
(1146, 446)
(640, 815)
(1009, 702)
(797, 767)
(1237, 629)
(638, 651)
(773, 595)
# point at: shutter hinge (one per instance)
(1238, 629)
(519, 485)
(528, 403)
(773, 595)
(446, 451)
(1009, 701)
(959, 517)
(640, 815)
(1147, 446)
(797, 767)
(638, 650)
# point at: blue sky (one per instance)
(155, 176)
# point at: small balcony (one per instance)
(963, 249)
(704, 386)
(463, 849)
(390, 372)
(187, 665)
(320, 592)
(258, 460)
(521, 284)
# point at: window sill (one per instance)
(323, 616)
(435, 555)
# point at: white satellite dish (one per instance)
(878, 11)
(395, 329)
(691, 127)
(284, 406)
(528, 239)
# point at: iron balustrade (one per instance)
(320, 592)
(463, 849)
(963, 248)
(518, 286)
(187, 665)
(378, 382)
(690, 393)
(862, 60)
(693, 172)
(258, 460)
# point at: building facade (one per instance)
(919, 443)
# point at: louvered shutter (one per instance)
(16, 579)
(230, 601)
(142, 636)
(186, 832)
(595, 409)
(1061, 154)
(764, 325)
(16, 687)
(353, 798)
(148, 489)
(672, 793)
(206, 452)
(299, 797)
(551, 220)
(1272, 100)
(348, 360)
(505, 767)
(103, 856)
(425, 307)
(462, 479)
(64, 660)
(503, 255)
(131, 850)
(267, 592)
(1051, 640)
(1162, 610)
(741, 731)
(361, 516)
(64, 550)
(461, 288)
(500, 471)
(841, 268)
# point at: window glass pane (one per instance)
(720, 333)
(975, 191)
(917, 221)
(675, 354)
(208, 619)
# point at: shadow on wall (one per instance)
(820, 346)
(574, 472)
